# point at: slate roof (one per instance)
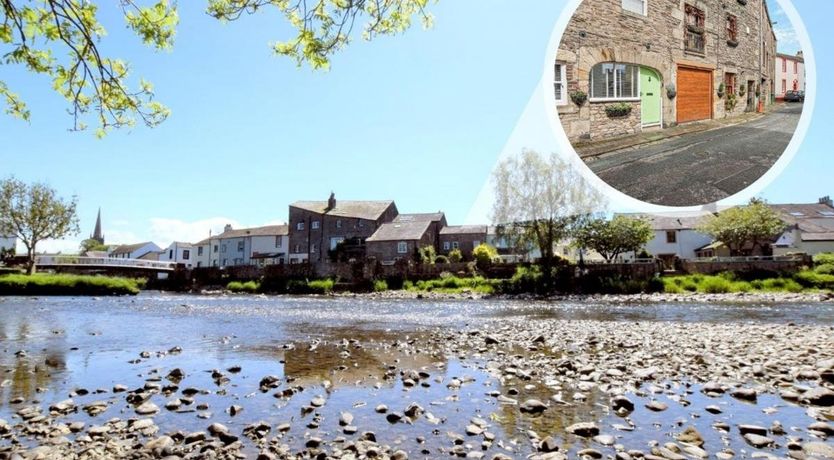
(674, 221)
(266, 230)
(420, 217)
(128, 248)
(400, 231)
(369, 210)
(463, 230)
(814, 221)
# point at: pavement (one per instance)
(696, 163)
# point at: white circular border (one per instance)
(619, 197)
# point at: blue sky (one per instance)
(420, 118)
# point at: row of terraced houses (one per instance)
(328, 231)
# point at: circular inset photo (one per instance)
(679, 102)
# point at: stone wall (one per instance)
(707, 267)
(602, 31)
(602, 126)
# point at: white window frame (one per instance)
(645, 11)
(560, 78)
(616, 98)
(402, 247)
(455, 245)
(446, 245)
(299, 225)
(315, 225)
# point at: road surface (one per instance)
(703, 167)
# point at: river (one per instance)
(352, 352)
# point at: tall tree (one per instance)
(745, 227)
(610, 238)
(91, 244)
(540, 200)
(61, 38)
(34, 213)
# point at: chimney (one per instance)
(826, 200)
(227, 228)
(800, 54)
(331, 202)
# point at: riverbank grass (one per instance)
(45, 284)
(454, 285)
(727, 283)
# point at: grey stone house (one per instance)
(462, 237)
(436, 220)
(318, 227)
(661, 63)
(399, 241)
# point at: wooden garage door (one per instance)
(694, 94)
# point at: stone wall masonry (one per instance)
(603, 126)
(707, 267)
(602, 31)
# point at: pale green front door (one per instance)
(650, 100)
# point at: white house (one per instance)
(8, 242)
(790, 74)
(810, 228)
(247, 246)
(180, 253)
(675, 235)
(136, 251)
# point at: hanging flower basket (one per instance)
(578, 97)
(671, 91)
(732, 43)
(618, 110)
(721, 90)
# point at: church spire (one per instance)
(97, 232)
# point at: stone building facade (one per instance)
(400, 241)
(651, 64)
(790, 74)
(318, 227)
(462, 237)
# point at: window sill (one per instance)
(698, 53)
(605, 101)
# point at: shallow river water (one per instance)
(351, 352)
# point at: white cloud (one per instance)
(164, 231)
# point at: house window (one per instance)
(299, 226)
(334, 241)
(694, 34)
(297, 248)
(446, 245)
(186, 254)
(170, 254)
(224, 262)
(730, 83)
(402, 247)
(671, 237)
(732, 29)
(215, 249)
(199, 251)
(784, 65)
(560, 84)
(312, 248)
(476, 243)
(636, 6)
(795, 67)
(339, 224)
(315, 225)
(223, 249)
(455, 245)
(615, 81)
(784, 86)
(240, 246)
(199, 264)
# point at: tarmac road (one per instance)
(703, 167)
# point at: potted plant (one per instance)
(578, 97)
(758, 90)
(618, 110)
(742, 90)
(721, 89)
(730, 102)
(671, 91)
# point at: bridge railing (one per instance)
(103, 262)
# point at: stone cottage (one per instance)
(399, 241)
(651, 64)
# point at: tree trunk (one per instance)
(30, 263)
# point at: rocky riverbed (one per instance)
(157, 378)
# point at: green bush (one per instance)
(324, 286)
(61, 284)
(782, 285)
(484, 255)
(716, 285)
(824, 258)
(815, 280)
(380, 286)
(448, 283)
(455, 256)
(249, 287)
(824, 269)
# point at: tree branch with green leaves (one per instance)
(61, 39)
